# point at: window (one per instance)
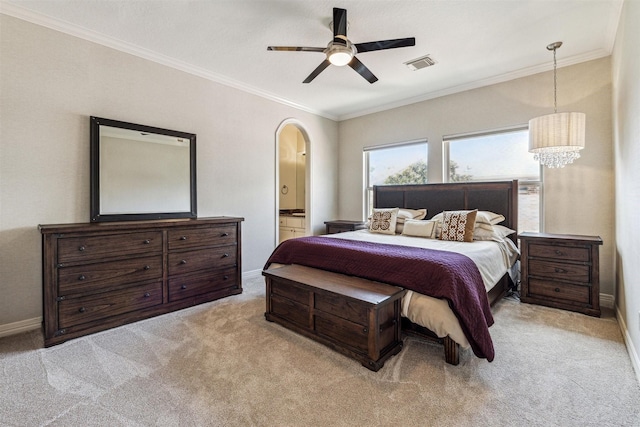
(404, 163)
(499, 156)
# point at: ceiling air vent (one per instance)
(420, 63)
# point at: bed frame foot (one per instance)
(451, 351)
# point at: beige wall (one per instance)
(50, 83)
(626, 125)
(578, 199)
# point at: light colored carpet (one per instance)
(223, 364)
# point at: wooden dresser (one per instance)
(356, 317)
(561, 271)
(98, 276)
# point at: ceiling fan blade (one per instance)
(362, 70)
(340, 25)
(296, 48)
(385, 44)
(324, 64)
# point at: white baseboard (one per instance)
(635, 360)
(607, 301)
(21, 326)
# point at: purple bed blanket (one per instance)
(439, 274)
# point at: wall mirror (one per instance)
(141, 172)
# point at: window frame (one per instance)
(368, 187)
(446, 158)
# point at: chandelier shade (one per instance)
(556, 139)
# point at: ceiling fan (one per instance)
(340, 51)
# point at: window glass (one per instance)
(395, 164)
(499, 156)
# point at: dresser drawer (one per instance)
(340, 306)
(89, 248)
(201, 259)
(76, 311)
(189, 286)
(559, 271)
(196, 237)
(95, 277)
(560, 291)
(559, 253)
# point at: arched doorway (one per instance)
(293, 181)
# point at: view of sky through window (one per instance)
(478, 157)
(386, 162)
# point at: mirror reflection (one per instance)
(141, 172)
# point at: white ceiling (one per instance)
(475, 42)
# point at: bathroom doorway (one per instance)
(292, 181)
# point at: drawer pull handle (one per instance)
(147, 267)
(557, 289)
(560, 270)
(147, 294)
(146, 242)
(559, 253)
(183, 287)
(81, 248)
(224, 234)
(183, 261)
(226, 277)
(183, 237)
(225, 255)
(365, 330)
(81, 277)
(82, 309)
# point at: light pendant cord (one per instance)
(555, 83)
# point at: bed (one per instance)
(454, 311)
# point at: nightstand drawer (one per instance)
(559, 271)
(560, 291)
(563, 253)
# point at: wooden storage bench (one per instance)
(356, 317)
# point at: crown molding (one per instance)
(523, 72)
(95, 37)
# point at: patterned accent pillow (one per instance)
(457, 226)
(384, 221)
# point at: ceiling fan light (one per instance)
(340, 58)
(339, 54)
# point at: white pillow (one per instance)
(406, 214)
(485, 219)
(419, 228)
(497, 234)
(384, 221)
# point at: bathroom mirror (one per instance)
(141, 172)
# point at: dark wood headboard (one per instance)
(500, 197)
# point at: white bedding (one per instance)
(493, 259)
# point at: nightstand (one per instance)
(341, 225)
(561, 271)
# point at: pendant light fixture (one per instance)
(556, 139)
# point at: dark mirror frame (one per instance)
(96, 213)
